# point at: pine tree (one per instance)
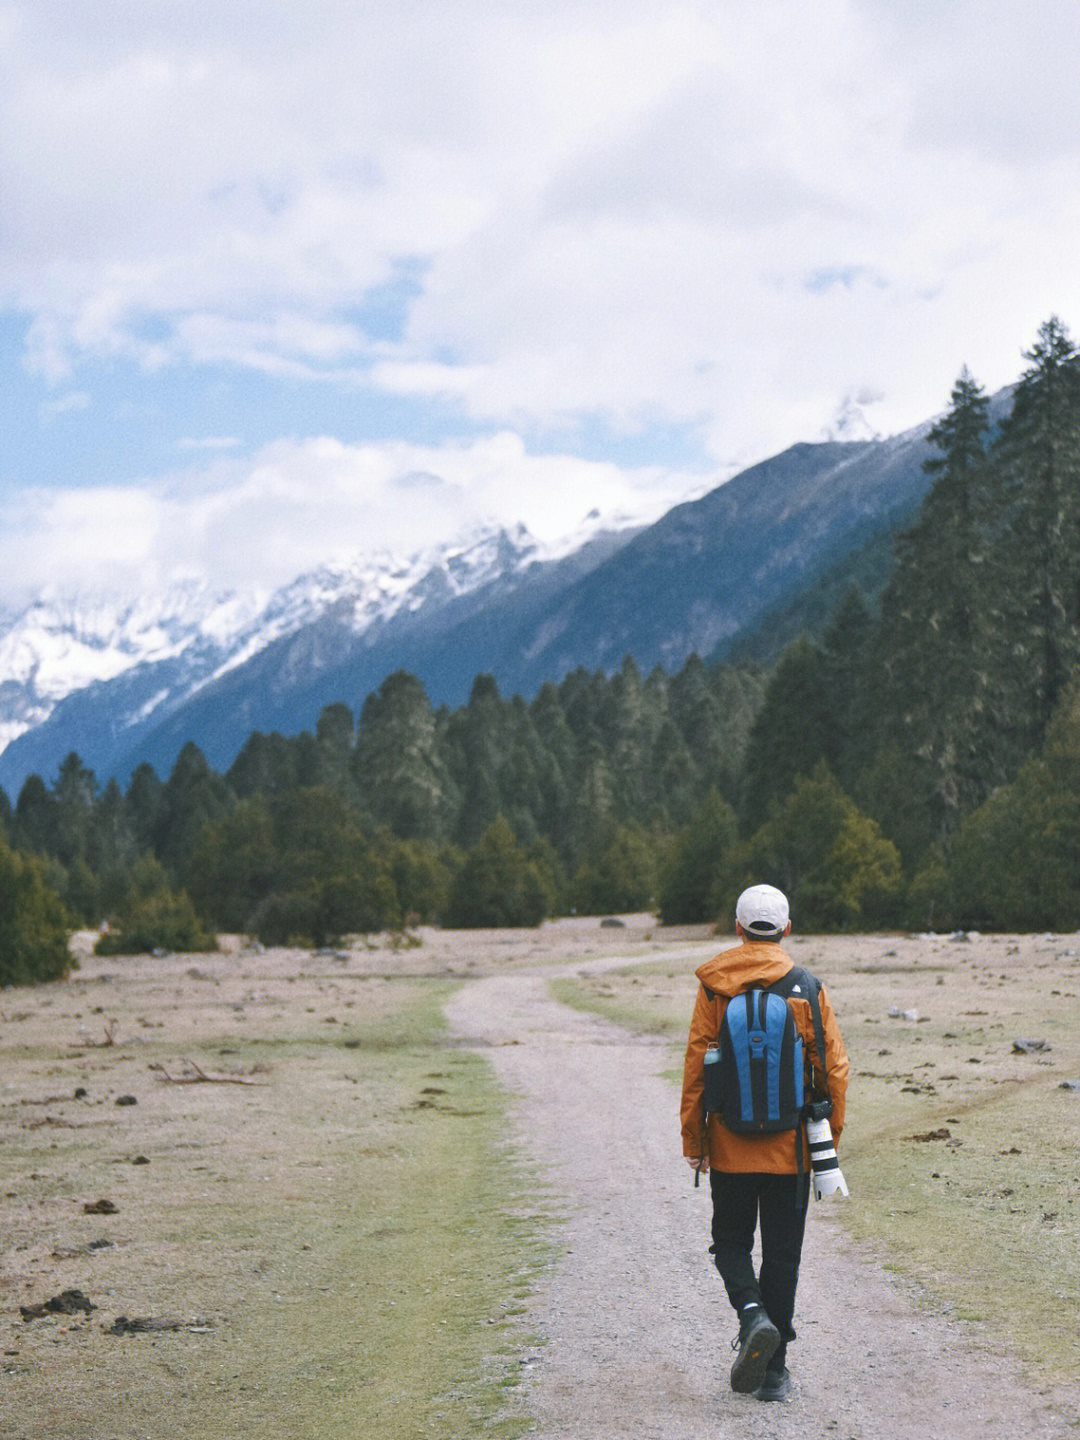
(853, 681)
(1037, 534)
(265, 766)
(497, 885)
(621, 877)
(476, 750)
(794, 729)
(112, 841)
(832, 861)
(398, 763)
(677, 778)
(144, 806)
(35, 823)
(75, 795)
(234, 865)
(335, 737)
(193, 795)
(556, 758)
(520, 770)
(933, 645)
(688, 745)
(1016, 862)
(694, 878)
(634, 725)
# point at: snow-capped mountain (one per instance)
(60, 644)
(737, 571)
(170, 645)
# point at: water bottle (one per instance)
(712, 1080)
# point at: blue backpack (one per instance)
(755, 1076)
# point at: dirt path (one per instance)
(635, 1319)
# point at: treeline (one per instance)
(498, 812)
(918, 765)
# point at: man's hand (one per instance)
(698, 1163)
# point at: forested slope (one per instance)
(917, 765)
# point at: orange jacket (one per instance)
(753, 963)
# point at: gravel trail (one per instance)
(636, 1321)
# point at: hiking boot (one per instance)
(757, 1342)
(775, 1386)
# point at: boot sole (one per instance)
(757, 1350)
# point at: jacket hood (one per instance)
(754, 962)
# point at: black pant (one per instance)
(781, 1202)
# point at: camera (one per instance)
(825, 1169)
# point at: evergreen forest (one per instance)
(914, 764)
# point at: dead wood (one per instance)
(200, 1077)
(85, 1041)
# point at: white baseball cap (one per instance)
(762, 910)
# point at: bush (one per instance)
(622, 878)
(289, 918)
(163, 920)
(696, 872)
(837, 869)
(33, 923)
(1015, 864)
(358, 901)
(497, 885)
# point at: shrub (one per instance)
(622, 877)
(33, 923)
(694, 876)
(832, 861)
(359, 901)
(163, 920)
(288, 917)
(497, 885)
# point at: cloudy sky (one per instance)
(281, 280)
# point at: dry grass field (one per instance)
(313, 1227)
(287, 1195)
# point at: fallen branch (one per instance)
(149, 1324)
(86, 1041)
(200, 1077)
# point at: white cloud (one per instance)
(66, 539)
(258, 523)
(629, 211)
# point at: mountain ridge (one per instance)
(708, 573)
(106, 716)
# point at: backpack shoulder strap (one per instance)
(812, 988)
(799, 980)
(713, 996)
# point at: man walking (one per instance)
(759, 1178)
